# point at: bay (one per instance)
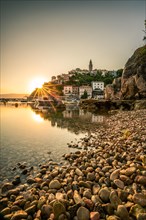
(33, 138)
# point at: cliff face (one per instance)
(132, 84)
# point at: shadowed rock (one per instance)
(132, 84)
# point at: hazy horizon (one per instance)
(48, 38)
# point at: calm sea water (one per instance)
(34, 138)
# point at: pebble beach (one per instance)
(104, 179)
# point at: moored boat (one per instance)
(70, 101)
(42, 103)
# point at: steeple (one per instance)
(90, 66)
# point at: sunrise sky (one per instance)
(48, 38)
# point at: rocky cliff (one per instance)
(132, 84)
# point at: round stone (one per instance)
(129, 171)
(31, 180)
(140, 199)
(94, 215)
(77, 198)
(141, 180)
(31, 210)
(87, 194)
(104, 194)
(79, 172)
(59, 196)
(90, 176)
(115, 174)
(46, 210)
(6, 186)
(5, 211)
(114, 199)
(113, 217)
(83, 213)
(122, 212)
(119, 183)
(95, 189)
(54, 184)
(19, 215)
(58, 209)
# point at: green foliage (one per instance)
(85, 95)
(143, 51)
(79, 79)
(108, 80)
(59, 89)
(119, 72)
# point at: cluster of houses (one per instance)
(62, 78)
(96, 90)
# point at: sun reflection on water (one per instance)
(37, 118)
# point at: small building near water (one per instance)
(97, 90)
(70, 90)
(98, 94)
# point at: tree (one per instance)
(119, 72)
(85, 95)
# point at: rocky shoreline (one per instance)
(105, 180)
(108, 105)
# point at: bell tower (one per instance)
(90, 66)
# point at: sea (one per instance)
(31, 137)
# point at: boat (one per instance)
(70, 101)
(43, 104)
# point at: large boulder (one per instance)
(113, 91)
(132, 84)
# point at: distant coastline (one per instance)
(13, 95)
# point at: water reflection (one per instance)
(37, 117)
(73, 118)
(97, 118)
(27, 135)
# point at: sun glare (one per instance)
(36, 83)
(37, 118)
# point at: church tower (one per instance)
(90, 66)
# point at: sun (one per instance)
(36, 83)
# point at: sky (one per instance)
(48, 38)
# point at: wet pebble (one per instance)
(106, 181)
(83, 213)
(54, 184)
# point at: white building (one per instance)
(97, 85)
(98, 90)
(83, 89)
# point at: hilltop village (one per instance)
(79, 83)
(126, 84)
